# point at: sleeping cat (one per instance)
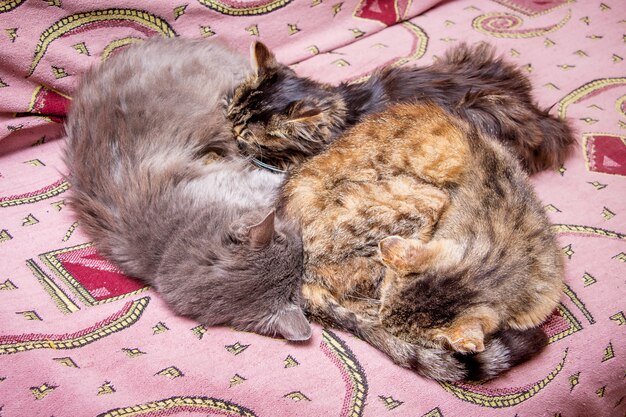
(282, 119)
(157, 185)
(471, 263)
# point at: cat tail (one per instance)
(482, 56)
(557, 145)
(436, 364)
(504, 350)
(506, 109)
(539, 140)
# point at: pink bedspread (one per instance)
(77, 338)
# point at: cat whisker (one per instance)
(252, 140)
(246, 139)
(367, 299)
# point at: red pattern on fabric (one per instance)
(34, 193)
(555, 325)
(607, 154)
(55, 337)
(50, 103)
(96, 274)
(345, 408)
(382, 11)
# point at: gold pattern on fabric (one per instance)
(190, 404)
(504, 400)
(515, 5)
(7, 285)
(75, 21)
(573, 324)
(29, 198)
(587, 230)
(72, 341)
(505, 25)
(67, 361)
(585, 90)
(8, 5)
(352, 368)
(578, 303)
(240, 9)
(116, 44)
(54, 263)
(62, 300)
(70, 232)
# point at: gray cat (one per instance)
(157, 185)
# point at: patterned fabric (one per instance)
(79, 338)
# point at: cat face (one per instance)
(281, 118)
(417, 306)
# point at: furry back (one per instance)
(158, 187)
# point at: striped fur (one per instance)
(283, 119)
(424, 237)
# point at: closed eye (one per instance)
(238, 129)
(246, 135)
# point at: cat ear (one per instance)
(261, 234)
(262, 58)
(292, 324)
(395, 253)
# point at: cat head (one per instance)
(265, 264)
(418, 304)
(279, 117)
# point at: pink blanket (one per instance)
(78, 338)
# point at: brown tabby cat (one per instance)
(490, 265)
(282, 119)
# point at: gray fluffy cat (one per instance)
(196, 228)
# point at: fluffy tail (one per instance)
(502, 351)
(499, 101)
(557, 145)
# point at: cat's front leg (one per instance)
(466, 334)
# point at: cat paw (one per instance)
(466, 342)
(468, 345)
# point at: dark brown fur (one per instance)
(283, 119)
(466, 244)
